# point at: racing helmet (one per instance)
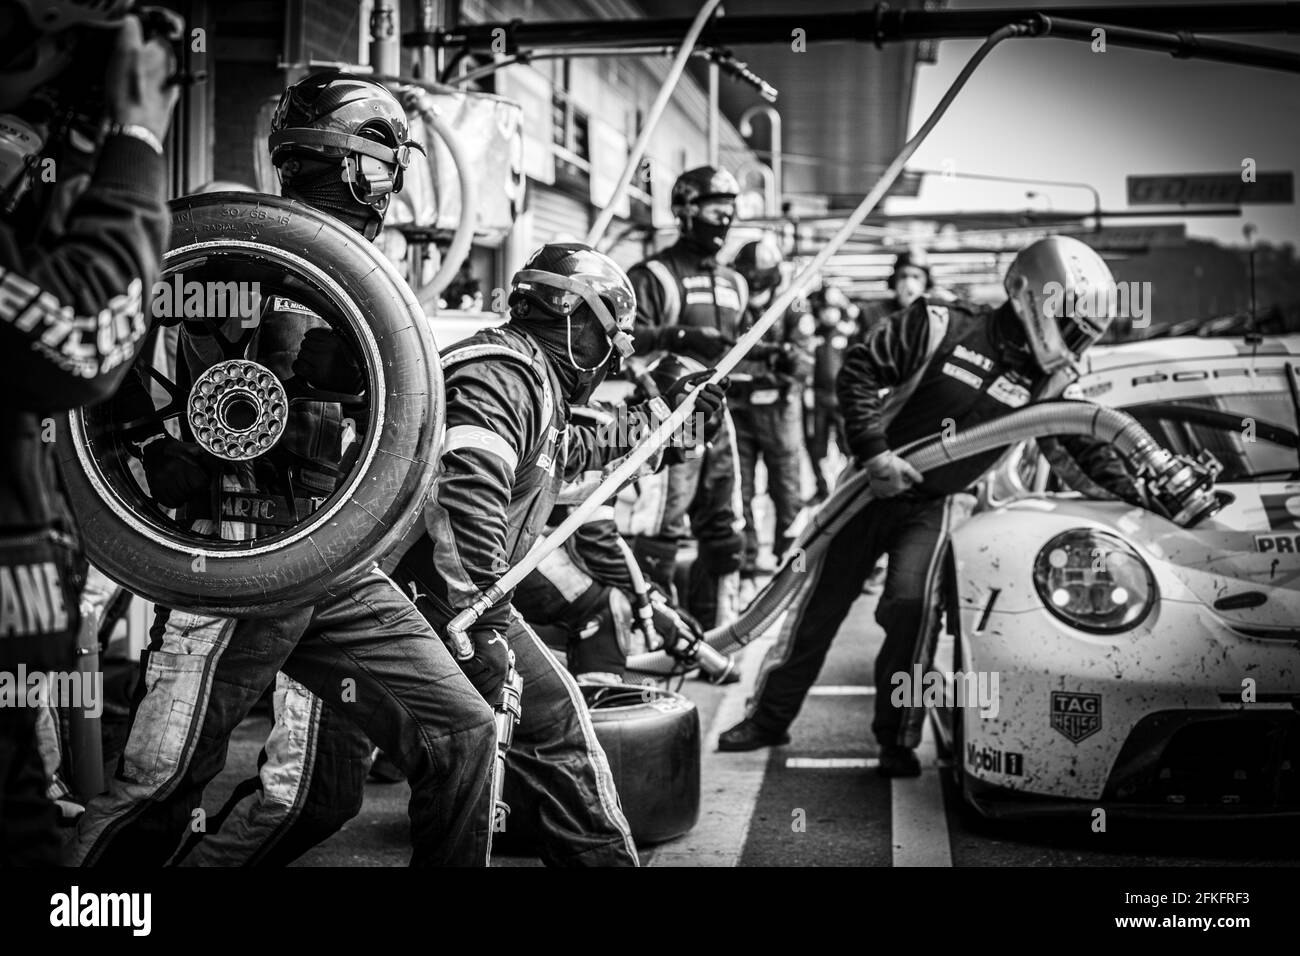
(694, 187)
(560, 278)
(352, 122)
(38, 40)
(1064, 296)
(759, 262)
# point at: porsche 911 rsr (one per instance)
(1141, 665)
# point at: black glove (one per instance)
(486, 670)
(323, 360)
(177, 471)
(708, 403)
(675, 627)
(708, 344)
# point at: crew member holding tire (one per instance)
(338, 142)
(690, 305)
(957, 365)
(70, 323)
(768, 409)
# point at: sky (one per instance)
(1053, 109)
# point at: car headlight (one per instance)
(1094, 581)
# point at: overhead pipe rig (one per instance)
(1163, 28)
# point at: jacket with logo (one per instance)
(682, 286)
(71, 321)
(949, 368)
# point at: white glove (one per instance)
(891, 475)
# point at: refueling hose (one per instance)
(1179, 487)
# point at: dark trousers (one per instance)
(368, 654)
(913, 532)
(29, 834)
(775, 433)
(822, 421)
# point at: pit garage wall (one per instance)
(256, 47)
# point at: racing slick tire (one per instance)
(308, 260)
(651, 738)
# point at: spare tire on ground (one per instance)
(652, 740)
(306, 488)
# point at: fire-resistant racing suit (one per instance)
(952, 365)
(688, 304)
(70, 322)
(766, 402)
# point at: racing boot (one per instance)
(747, 735)
(896, 761)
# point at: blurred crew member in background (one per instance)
(690, 305)
(836, 329)
(766, 398)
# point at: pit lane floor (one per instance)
(818, 800)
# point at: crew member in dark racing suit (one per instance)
(947, 367)
(367, 654)
(510, 445)
(768, 409)
(71, 321)
(688, 304)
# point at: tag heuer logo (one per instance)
(1076, 716)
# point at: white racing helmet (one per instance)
(1065, 297)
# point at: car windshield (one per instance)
(1252, 434)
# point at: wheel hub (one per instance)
(238, 410)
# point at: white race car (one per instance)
(1139, 665)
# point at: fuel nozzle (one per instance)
(1183, 487)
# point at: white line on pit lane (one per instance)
(841, 690)
(730, 781)
(830, 763)
(919, 821)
